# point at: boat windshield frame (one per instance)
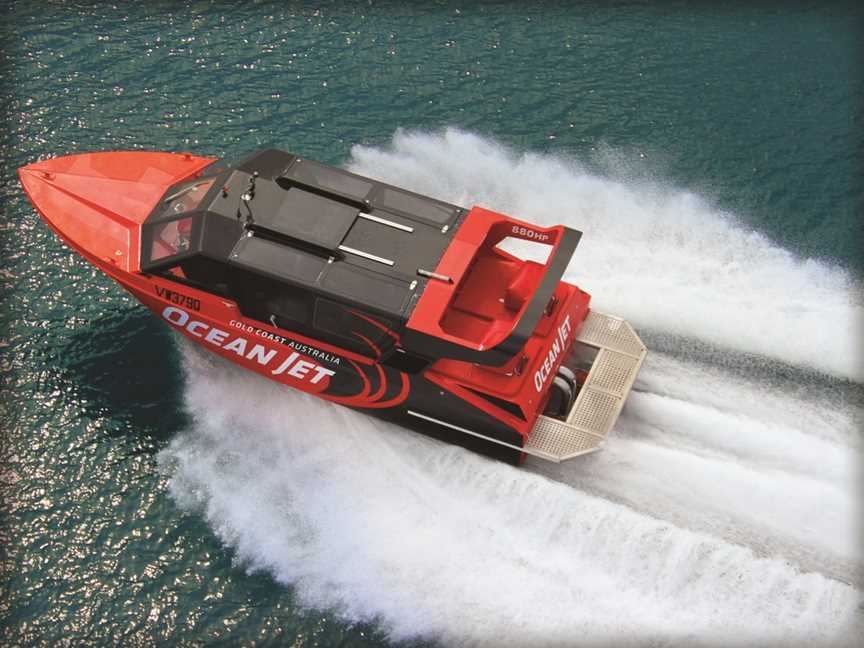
(164, 243)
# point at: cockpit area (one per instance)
(294, 241)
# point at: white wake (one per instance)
(723, 509)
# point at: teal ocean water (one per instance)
(712, 157)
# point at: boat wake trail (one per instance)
(723, 509)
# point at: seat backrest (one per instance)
(522, 286)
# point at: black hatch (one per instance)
(304, 225)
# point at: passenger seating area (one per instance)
(491, 296)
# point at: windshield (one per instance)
(170, 239)
(189, 197)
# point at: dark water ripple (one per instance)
(758, 107)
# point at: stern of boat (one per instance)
(606, 356)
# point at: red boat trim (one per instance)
(375, 323)
(361, 400)
(382, 384)
(371, 344)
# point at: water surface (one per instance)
(712, 157)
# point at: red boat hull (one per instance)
(97, 203)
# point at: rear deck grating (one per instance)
(613, 333)
(619, 357)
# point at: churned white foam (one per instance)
(431, 540)
(722, 511)
(736, 459)
(660, 257)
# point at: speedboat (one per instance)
(406, 307)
